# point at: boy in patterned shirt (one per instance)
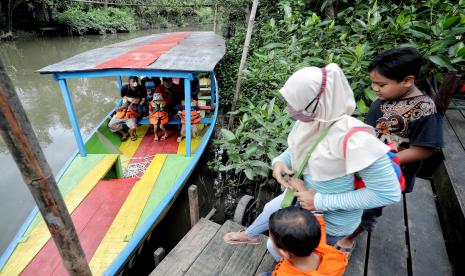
(402, 114)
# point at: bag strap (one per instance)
(348, 135)
(289, 198)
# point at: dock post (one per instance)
(17, 132)
(193, 204)
(158, 255)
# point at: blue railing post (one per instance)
(72, 116)
(120, 82)
(212, 87)
(187, 106)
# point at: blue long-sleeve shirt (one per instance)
(341, 204)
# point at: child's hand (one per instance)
(306, 199)
(296, 184)
(279, 170)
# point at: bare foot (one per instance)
(240, 237)
(155, 138)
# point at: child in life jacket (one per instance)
(195, 119)
(158, 115)
(128, 113)
(299, 237)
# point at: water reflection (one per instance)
(41, 98)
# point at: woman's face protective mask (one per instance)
(305, 115)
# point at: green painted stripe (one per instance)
(172, 169)
(113, 137)
(77, 170)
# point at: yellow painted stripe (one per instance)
(194, 145)
(129, 148)
(25, 251)
(126, 220)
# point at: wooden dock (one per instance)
(407, 241)
(203, 252)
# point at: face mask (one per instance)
(305, 115)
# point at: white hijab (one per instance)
(337, 103)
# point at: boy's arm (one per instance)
(414, 154)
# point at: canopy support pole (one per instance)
(212, 87)
(120, 82)
(72, 116)
(187, 108)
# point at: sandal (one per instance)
(164, 137)
(237, 238)
(133, 138)
(155, 138)
(346, 250)
(123, 138)
(179, 139)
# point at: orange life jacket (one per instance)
(195, 117)
(132, 112)
(158, 113)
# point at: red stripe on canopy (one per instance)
(146, 54)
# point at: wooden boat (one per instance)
(115, 213)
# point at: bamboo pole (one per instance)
(17, 132)
(215, 16)
(245, 51)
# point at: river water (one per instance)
(41, 98)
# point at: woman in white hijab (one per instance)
(319, 98)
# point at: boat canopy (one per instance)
(173, 55)
(181, 51)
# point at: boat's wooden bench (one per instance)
(408, 239)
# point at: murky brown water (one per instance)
(41, 98)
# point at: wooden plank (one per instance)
(356, 266)
(173, 168)
(216, 254)
(26, 250)
(266, 265)
(91, 219)
(245, 259)
(125, 222)
(388, 249)
(77, 170)
(129, 148)
(457, 122)
(427, 247)
(186, 251)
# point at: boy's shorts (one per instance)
(370, 218)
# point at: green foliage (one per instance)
(289, 35)
(109, 20)
(258, 138)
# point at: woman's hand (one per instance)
(304, 196)
(279, 170)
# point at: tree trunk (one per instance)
(245, 51)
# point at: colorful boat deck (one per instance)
(106, 213)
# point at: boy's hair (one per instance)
(295, 230)
(397, 64)
(133, 78)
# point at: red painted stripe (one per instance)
(149, 147)
(146, 54)
(92, 219)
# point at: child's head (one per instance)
(393, 72)
(295, 232)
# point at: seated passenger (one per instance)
(158, 116)
(195, 119)
(149, 84)
(172, 93)
(131, 95)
